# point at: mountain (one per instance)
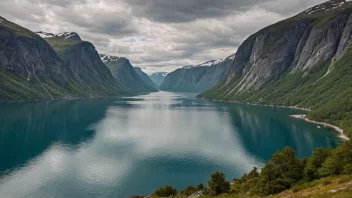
(30, 69)
(304, 61)
(84, 61)
(145, 77)
(197, 78)
(158, 77)
(125, 74)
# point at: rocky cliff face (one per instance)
(196, 78)
(145, 78)
(158, 77)
(30, 69)
(296, 62)
(294, 45)
(125, 74)
(84, 61)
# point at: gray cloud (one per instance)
(157, 35)
(188, 10)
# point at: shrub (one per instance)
(188, 191)
(218, 184)
(345, 178)
(166, 191)
(348, 169)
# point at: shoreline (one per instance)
(264, 105)
(338, 130)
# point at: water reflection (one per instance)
(131, 146)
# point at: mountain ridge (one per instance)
(197, 78)
(125, 74)
(301, 61)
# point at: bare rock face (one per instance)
(126, 75)
(299, 44)
(31, 69)
(25, 53)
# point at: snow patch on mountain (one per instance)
(65, 35)
(327, 6)
(211, 63)
(45, 35)
(232, 57)
(107, 58)
(160, 74)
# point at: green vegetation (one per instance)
(329, 97)
(60, 44)
(166, 191)
(190, 190)
(217, 183)
(284, 173)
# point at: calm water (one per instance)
(132, 146)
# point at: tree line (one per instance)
(283, 171)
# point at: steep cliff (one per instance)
(30, 69)
(84, 61)
(145, 78)
(125, 74)
(304, 61)
(196, 78)
(158, 77)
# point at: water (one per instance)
(121, 147)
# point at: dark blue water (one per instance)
(132, 146)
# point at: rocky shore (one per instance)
(325, 125)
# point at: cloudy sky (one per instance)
(157, 35)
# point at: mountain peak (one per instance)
(64, 35)
(160, 74)
(327, 6)
(70, 35)
(107, 58)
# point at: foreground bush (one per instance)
(166, 191)
(283, 171)
(218, 184)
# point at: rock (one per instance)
(196, 194)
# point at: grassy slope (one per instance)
(318, 189)
(330, 98)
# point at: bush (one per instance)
(200, 186)
(336, 163)
(280, 173)
(327, 181)
(188, 191)
(345, 178)
(166, 191)
(299, 187)
(348, 169)
(315, 162)
(218, 184)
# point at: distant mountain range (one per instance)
(158, 77)
(126, 75)
(145, 78)
(197, 78)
